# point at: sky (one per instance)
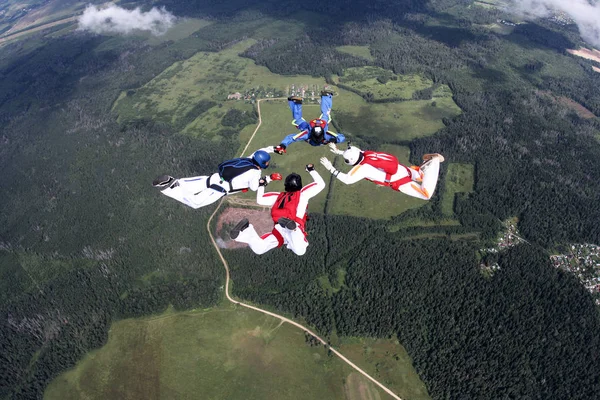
(585, 13)
(114, 19)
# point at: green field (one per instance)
(182, 29)
(172, 95)
(228, 352)
(202, 83)
(358, 51)
(458, 180)
(365, 79)
(387, 361)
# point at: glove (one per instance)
(263, 181)
(276, 176)
(333, 140)
(280, 149)
(310, 167)
(327, 164)
(333, 148)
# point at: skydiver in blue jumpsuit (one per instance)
(315, 132)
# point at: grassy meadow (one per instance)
(358, 51)
(459, 179)
(387, 361)
(206, 79)
(229, 352)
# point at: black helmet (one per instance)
(317, 134)
(293, 182)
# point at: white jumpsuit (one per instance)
(428, 175)
(195, 192)
(294, 240)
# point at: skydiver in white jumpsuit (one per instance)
(289, 215)
(379, 168)
(200, 191)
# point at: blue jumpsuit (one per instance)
(305, 127)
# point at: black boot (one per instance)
(287, 223)
(163, 181)
(235, 232)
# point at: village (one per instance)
(508, 238)
(582, 260)
(310, 93)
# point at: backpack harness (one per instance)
(388, 164)
(230, 169)
(286, 206)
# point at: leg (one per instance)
(326, 104)
(295, 240)
(257, 244)
(430, 171)
(296, 108)
(192, 192)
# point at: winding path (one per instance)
(281, 317)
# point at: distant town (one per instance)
(509, 238)
(310, 93)
(582, 260)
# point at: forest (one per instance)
(84, 239)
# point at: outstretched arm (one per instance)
(332, 137)
(356, 174)
(268, 149)
(314, 188)
(265, 199)
(295, 137)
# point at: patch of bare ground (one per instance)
(358, 388)
(39, 28)
(567, 102)
(261, 219)
(592, 54)
(596, 69)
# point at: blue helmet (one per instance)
(261, 158)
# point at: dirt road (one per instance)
(38, 28)
(282, 318)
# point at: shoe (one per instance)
(295, 99)
(287, 223)
(418, 169)
(235, 232)
(427, 157)
(326, 92)
(163, 181)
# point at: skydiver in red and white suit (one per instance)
(288, 212)
(384, 169)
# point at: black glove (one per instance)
(280, 149)
(333, 140)
(310, 167)
(263, 181)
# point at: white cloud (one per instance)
(114, 19)
(585, 13)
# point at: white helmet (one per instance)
(352, 155)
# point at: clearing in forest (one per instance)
(589, 54)
(387, 361)
(383, 84)
(459, 179)
(192, 95)
(358, 51)
(223, 352)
